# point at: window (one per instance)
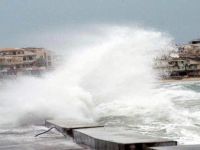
(30, 58)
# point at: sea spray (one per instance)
(107, 77)
(112, 77)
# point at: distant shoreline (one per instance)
(181, 80)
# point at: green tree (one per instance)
(40, 62)
(1, 66)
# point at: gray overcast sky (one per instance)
(180, 18)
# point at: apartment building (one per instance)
(24, 60)
(183, 63)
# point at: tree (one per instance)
(1, 66)
(40, 62)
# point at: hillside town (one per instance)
(181, 63)
(25, 61)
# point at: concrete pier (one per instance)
(117, 139)
(104, 138)
(66, 127)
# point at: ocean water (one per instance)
(177, 118)
(109, 79)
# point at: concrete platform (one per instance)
(117, 139)
(179, 147)
(67, 126)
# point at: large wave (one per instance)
(107, 73)
(110, 75)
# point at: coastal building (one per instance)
(24, 60)
(184, 63)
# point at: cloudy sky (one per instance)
(18, 18)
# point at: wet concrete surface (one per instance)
(71, 124)
(112, 139)
(66, 127)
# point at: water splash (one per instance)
(111, 76)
